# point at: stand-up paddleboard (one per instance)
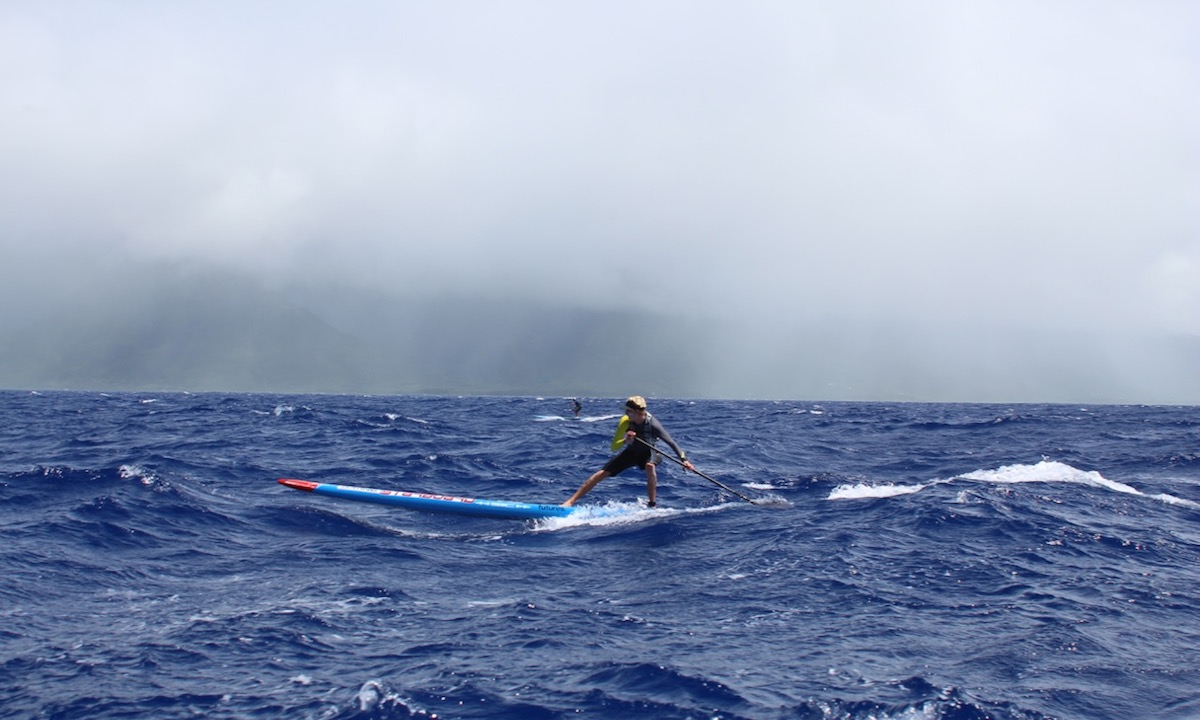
(503, 509)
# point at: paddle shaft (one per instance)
(679, 462)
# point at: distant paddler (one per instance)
(636, 434)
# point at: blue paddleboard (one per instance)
(503, 509)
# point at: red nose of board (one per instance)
(305, 485)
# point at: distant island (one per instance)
(216, 333)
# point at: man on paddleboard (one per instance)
(635, 424)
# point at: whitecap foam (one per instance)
(758, 486)
(375, 699)
(133, 471)
(495, 603)
(1046, 471)
(862, 491)
(393, 417)
(370, 695)
(773, 501)
(618, 513)
(1172, 500)
(1058, 472)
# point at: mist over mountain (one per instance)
(209, 332)
(200, 332)
(185, 336)
(949, 201)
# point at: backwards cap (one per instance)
(636, 402)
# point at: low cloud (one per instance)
(997, 168)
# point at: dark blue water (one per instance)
(913, 561)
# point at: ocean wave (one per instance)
(1042, 472)
(155, 568)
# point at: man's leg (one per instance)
(586, 488)
(652, 484)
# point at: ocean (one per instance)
(904, 561)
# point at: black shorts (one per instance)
(633, 456)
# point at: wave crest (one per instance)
(1046, 471)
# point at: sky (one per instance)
(1024, 165)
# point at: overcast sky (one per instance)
(1026, 164)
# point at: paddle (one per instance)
(679, 462)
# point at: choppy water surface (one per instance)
(909, 561)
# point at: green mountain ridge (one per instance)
(216, 334)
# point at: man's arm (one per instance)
(658, 431)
